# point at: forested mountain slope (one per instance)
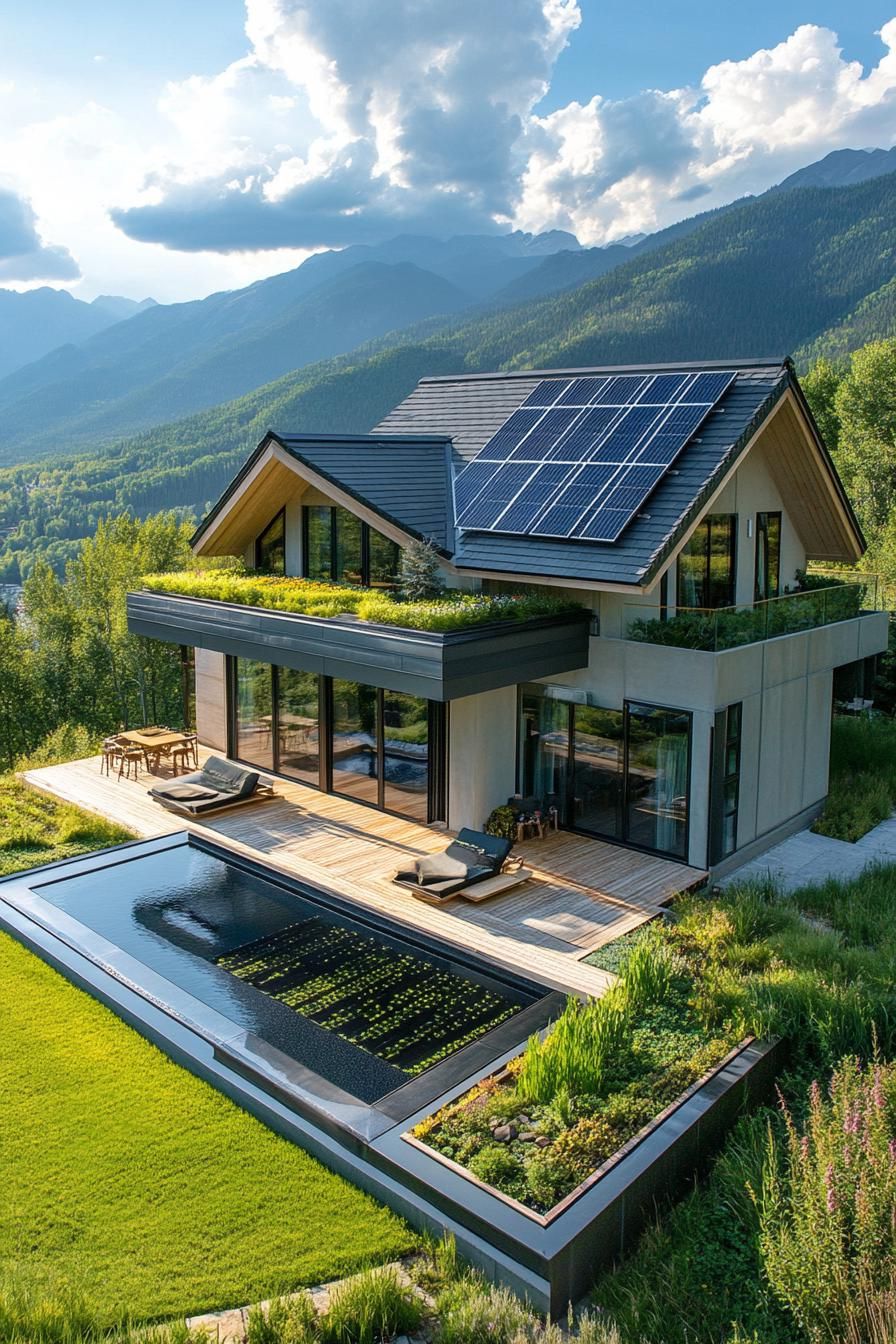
(772, 275)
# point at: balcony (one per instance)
(713, 630)
(444, 664)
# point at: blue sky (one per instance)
(175, 148)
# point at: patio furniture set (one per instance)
(127, 752)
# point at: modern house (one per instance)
(685, 711)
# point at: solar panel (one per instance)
(578, 459)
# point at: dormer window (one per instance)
(270, 546)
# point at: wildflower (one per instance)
(892, 1147)
(831, 1200)
(878, 1093)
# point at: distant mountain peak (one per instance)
(842, 168)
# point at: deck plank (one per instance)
(583, 893)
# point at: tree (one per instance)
(865, 405)
(419, 577)
(821, 385)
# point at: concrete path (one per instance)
(806, 858)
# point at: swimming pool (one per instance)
(363, 1004)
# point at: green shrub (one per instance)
(286, 1320)
(827, 1204)
(68, 742)
(496, 1165)
(502, 823)
(370, 1307)
(862, 789)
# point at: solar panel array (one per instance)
(580, 456)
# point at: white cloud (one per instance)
(611, 168)
(410, 118)
(23, 253)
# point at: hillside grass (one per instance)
(862, 790)
(128, 1182)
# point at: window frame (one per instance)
(366, 531)
(762, 519)
(707, 523)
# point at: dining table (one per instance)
(156, 743)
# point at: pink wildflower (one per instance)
(878, 1093)
(892, 1147)
(804, 1147)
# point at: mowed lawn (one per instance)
(138, 1185)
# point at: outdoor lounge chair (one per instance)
(472, 861)
(217, 786)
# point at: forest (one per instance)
(808, 272)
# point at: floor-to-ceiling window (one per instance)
(380, 747)
(621, 774)
(298, 724)
(706, 565)
(657, 768)
(355, 741)
(270, 546)
(340, 548)
(254, 713)
(405, 739)
(768, 556)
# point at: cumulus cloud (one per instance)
(23, 256)
(605, 169)
(351, 121)
(410, 118)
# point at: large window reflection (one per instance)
(405, 754)
(340, 548)
(254, 713)
(598, 763)
(706, 565)
(355, 745)
(270, 546)
(658, 744)
(298, 724)
(620, 774)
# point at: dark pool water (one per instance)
(365, 1010)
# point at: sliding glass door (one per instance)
(658, 750)
(254, 713)
(379, 747)
(298, 724)
(621, 774)
(405, 738)
(356, 757)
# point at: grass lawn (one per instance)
(125, 1177)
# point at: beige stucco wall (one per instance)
(211, 700)
(482, 733)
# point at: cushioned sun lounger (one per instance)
(217, 786)
(471, 858)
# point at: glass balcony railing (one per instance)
(716, 629)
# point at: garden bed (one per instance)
(569, 1107)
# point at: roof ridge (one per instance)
(773, 362)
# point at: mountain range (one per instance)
(158, 362)
(809, 270)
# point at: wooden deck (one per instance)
(583, 893)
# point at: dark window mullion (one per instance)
(334, 545)
(275, 717)
(365, 555)
(380, 751)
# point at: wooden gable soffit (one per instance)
(276, 478)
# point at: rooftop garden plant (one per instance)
(816, 601)
(450, 610)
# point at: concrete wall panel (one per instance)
(481, 755)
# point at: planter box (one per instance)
(436, 666)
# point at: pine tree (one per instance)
(419, 577)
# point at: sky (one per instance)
(174, 149)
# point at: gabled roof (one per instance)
(402, 473)
(472, 407)
(402, 478)
(405, 478)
